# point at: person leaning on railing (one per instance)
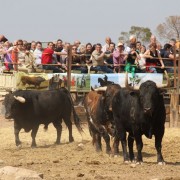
(166, 53)
(6, 52)
(119, 57)
(18, 56)
(110, 50)
(29, 58)
(132, 60)
(153, 59)
(22, 58)
(38, 54)
(98, 58)
(77, 60)
(47, 58)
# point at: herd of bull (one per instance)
(113, 112)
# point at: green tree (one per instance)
(143, 34)
(124, 37)
(170, 28)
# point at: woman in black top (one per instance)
(153, 59)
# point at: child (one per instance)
(132, 60)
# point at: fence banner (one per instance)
(80, 82)
(32, 81)
(99, 80)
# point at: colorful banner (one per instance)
(100, 80)
(81, 82)
(33, 81)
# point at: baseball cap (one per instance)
(120, 44)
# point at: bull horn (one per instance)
(20, 99)
(92, 89)
(127, 85)
(2, 99)
(168, 81)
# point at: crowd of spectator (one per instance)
(109, 58)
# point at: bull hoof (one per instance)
(116, 155)
(98, 150)
(161, 163)
(111, 155)
(18, 143)
(71, 139)
(19, 146)
(139, 163)
(33, 145)
(57, 143)
(127, 162)
(133, 161)
(108, 151)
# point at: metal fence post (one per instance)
(69, 61)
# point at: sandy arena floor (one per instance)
(69, 161)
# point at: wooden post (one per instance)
(175, 67)
(174, 108)
(174, 102)
(69, 67)
(178, 84)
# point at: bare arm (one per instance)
(60, 53)
(161, 61)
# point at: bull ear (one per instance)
(132, 93)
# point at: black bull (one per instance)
(29, 109)
(139, 112)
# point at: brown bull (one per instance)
(36, 81)
(99, 117)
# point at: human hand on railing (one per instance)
(59, 63)
(162, 67)
(88, 61)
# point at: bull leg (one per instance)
(139, 145)
(124, 147)
(107, 140)
(16, 133)
(33, 135)
(98, 142)
(158, 145)
(116, 145)
(58, 127)
(122, 135)
(130, 146)
(69, 125)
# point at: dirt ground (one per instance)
(79, 160)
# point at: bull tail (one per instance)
(77, 120)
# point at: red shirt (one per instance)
(47, 56)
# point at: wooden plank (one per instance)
(174, 108)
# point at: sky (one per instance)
(84, 20)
